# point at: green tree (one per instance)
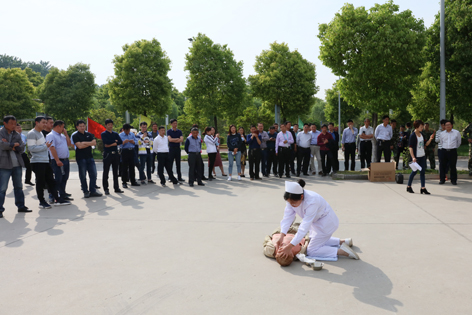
(458, 50)
(14, 62)
(332, 104)
(284, 78)
(16, 94)
(317, 112)
(191, 116)
(215, 83)
(254, 114)
(377, 52)
(34, 77)
(179, 100)
(68, 94)
(141, 84)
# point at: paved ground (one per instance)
(182, 250)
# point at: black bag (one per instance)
(399, 178)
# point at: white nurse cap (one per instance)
(293, 188)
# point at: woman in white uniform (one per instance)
(318, 218)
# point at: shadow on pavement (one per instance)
(12, 232)
(371, 285)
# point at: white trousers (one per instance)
(315, 152)
(322, 244)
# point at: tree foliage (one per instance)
(34, 77)
(179, 100)
(256, 113)
(317, 112)
(141, 84)
(458, 50)
(14, 62)
(101, 114)
(192, 115)
(215, 83)
(16, 94)
(68, 94)
(332, 104)
(284, 78)
(377, 52)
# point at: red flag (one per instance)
(95, 128)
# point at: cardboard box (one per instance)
(382, 172)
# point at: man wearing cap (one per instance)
(193, 147)
(384, 134)
(348, 143)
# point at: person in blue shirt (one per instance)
(254, 141)
(127, 156)
(24, 156)
(193, 147)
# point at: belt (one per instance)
(128, 149)
(302, 147)
(450, 149)
(284, 148)
(254, 149)
(194, 153)
(63, 159)
(111, 152)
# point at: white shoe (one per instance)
(316, 265)
(239, 177)
(229, 178)
(349, 242)
(347, 249)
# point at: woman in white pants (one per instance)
(318, 218)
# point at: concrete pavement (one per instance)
(183, 250)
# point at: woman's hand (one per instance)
(285, 251)
(414, 160)
(279, 242)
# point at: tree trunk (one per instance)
(374, 141)
(216, 124)
(452, 118)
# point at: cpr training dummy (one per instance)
(298, 251)
(318, 220)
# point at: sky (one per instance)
(93, 32)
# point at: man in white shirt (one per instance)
(450, 140)
(384, 134)
(366, 134)
(161, 149)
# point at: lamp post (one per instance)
(442, 106)
(339, 115)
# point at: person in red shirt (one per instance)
(324, 140)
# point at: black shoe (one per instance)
(107, 192)
(177, 183)
(95, 194)
(68, 195)
(258, 178)
(454, 183)
(410, 190)
(442, 182)
(24, 209)
(29, 183)
(288, 176)
(201, 184)
(135, 184)
(298, 174)
(86, 194)
(125, 185)
(243, 175)
(204, 178)
(97, 187)
(190, 184)
(1, 214)
(44, 205)
(119, 191)
(306, 174)
(151, 182)
(211, 178)
(181, 180)
(280, 176)
(424, 191)
(69, 199)
(163, 184)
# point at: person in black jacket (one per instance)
(234, 143)
(417, 146)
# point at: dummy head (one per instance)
(284, 262)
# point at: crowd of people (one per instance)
(268, 152)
